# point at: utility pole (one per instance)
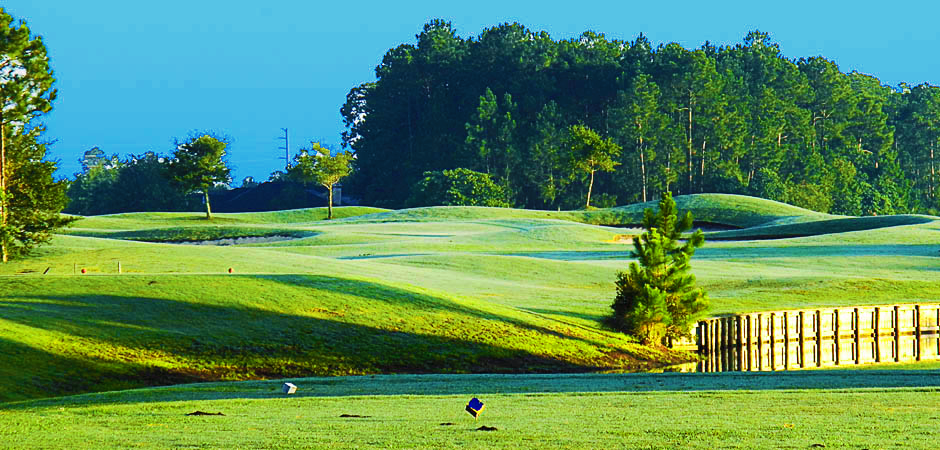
(286, 149)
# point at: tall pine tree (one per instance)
(27, 212)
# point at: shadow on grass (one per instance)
(800, 251)
(425, 303)
(790, 250)
(573, 255)
(556, 312)
(820, 227)
(30, 372)
(127, 341)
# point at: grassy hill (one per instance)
(426, 290)
(726, 209)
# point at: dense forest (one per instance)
(738, 119)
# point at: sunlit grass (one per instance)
(449, 289)
(807, 410)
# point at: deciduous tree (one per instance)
(590, 153)
(458, 187)
(135, 183)
(198, 164)
(318, 165)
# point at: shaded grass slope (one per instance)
(817, 227)
(105, 333)
(727, 209)
(191, 226)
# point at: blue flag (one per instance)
(475, 407)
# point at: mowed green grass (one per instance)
(108, 332)
(833, 409)
(428, 290)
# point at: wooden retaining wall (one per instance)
(797, 339)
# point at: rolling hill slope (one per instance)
(446, 289)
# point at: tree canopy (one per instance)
(590, 153)
(134, 183)
(198, 164)
(458, 187)
(318, 165)
(709, 119)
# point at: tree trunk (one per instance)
(208, 208)
(750, 169)
(933, 172)
(701, 181)
(590, 187)
(642, 169)
(329, 203)
(691, 171)
(3, 188)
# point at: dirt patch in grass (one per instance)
(203, 413)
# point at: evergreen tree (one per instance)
(35, 198)
(706, 120)
(657, 296)
(25, 93)
(490, 135)
(639, 124)
(543, 169)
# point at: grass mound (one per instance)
(196, 233)
(726, 209)
(441, 213)
(184, 227)
(819, 227)
(134, 221)
(81, 334)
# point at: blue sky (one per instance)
(134, 75)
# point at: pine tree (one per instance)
(34, 197)
(590, 153)
(657, 296)
(25, 93)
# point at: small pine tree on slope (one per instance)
(656, 296)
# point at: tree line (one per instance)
(518, 106)
(156, 182)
